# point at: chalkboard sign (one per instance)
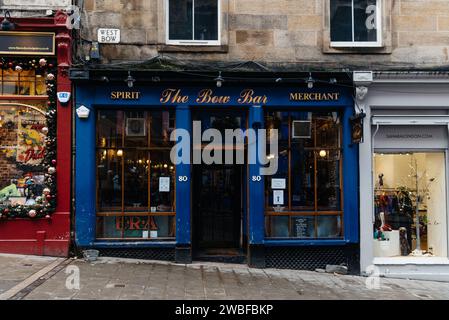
(42, 43)
(303, 227)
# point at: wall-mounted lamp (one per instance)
(310, 81)
(130, 80)
(219, 80)
(6, 24)
(104, 79)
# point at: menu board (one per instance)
(303, 227)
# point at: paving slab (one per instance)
(16, 268)
(126, 279)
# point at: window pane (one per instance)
(365, 20)
(161, 126)
(109, 227)
(166, 226)
(277, 199)
(206, 20)
(41, 88)
(109, 128)
(329, 226)
(136, 180)
(277, 227)
(109, 180)
(10, 82)
(140, 227)
(303, 179)
(162, 182)
(180, 19)
(136, 129)
(327, 130)
(341, 20)
(328, 180)
(303, 227)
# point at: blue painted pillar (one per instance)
(183, 191)
(85, 175)
(350, 181)
(256, 194)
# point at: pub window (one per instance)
(355, 23)
(193, 22)
(23, 82)
(304, 198)
(135, 177)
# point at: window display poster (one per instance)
(31, 140)
(278, 197)
(303, 227)
(164, 184)
(277, 183)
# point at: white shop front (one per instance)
(404, 166)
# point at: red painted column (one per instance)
(61, 217)
(49, 236)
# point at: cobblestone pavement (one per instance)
(124, 279)
(16, 268)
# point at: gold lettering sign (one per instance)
(248, 96)
(207, 96)
(173, 96)
(125, 95)
(314, 96)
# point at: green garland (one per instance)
(46, 203)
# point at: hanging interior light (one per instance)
(130, 80)
(310, 81)
(219, 80)
(323, 153)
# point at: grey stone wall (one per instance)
(282, 33)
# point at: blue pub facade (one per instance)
(133, 201)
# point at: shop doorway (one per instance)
(217, 208)
(218, 193)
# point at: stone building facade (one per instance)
(283, 33)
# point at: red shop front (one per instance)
(35, 136)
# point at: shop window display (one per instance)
(410, 204)
(28, 139)
(135, 177)
(303, 199)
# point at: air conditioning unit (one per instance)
(302, 129)
(135, 127)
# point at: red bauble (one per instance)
(10, 64)
(53, 161)
(47, 216)
(48, 196)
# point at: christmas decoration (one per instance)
(44, 204)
